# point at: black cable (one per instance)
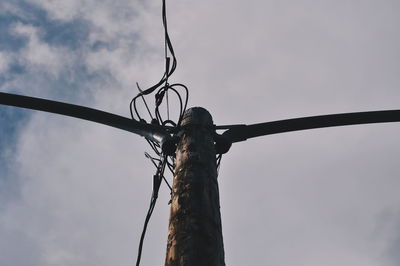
(149, 213)
(169, 122)
(155, 147)
(169, 125)
(145, 103)
(159, 97)
(243, 132)
(167, 42)
(169, 70)
(156, 185)
(186, 100)
(166, 95)
(171, 166)
(152, 159)
(219, 158)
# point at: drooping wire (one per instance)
(160, 96)
(171, 165)
(156, 186)
(163, 84)
(219, 158)
(155, 147)
(162, 90)
(166, 94)
(149, 213)
(168, 48)
(144, 101)
(154, 163)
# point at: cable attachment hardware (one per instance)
(168, 146)
(222, 143)
(156, 184)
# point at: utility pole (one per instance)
(195, 231)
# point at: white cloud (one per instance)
(304, 198)
(39, 55)
(7, 7)
(62, 10)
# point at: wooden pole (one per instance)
(195, 232)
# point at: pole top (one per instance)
(197, 116)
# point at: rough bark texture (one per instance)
(195, 232)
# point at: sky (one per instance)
(76, 193)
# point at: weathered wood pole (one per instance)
(195, 231)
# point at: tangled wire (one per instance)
(163, 91)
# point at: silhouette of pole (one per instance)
(195, 231)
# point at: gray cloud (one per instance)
(303, 198)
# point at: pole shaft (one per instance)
(195, 231)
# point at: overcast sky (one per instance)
(76, 193)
